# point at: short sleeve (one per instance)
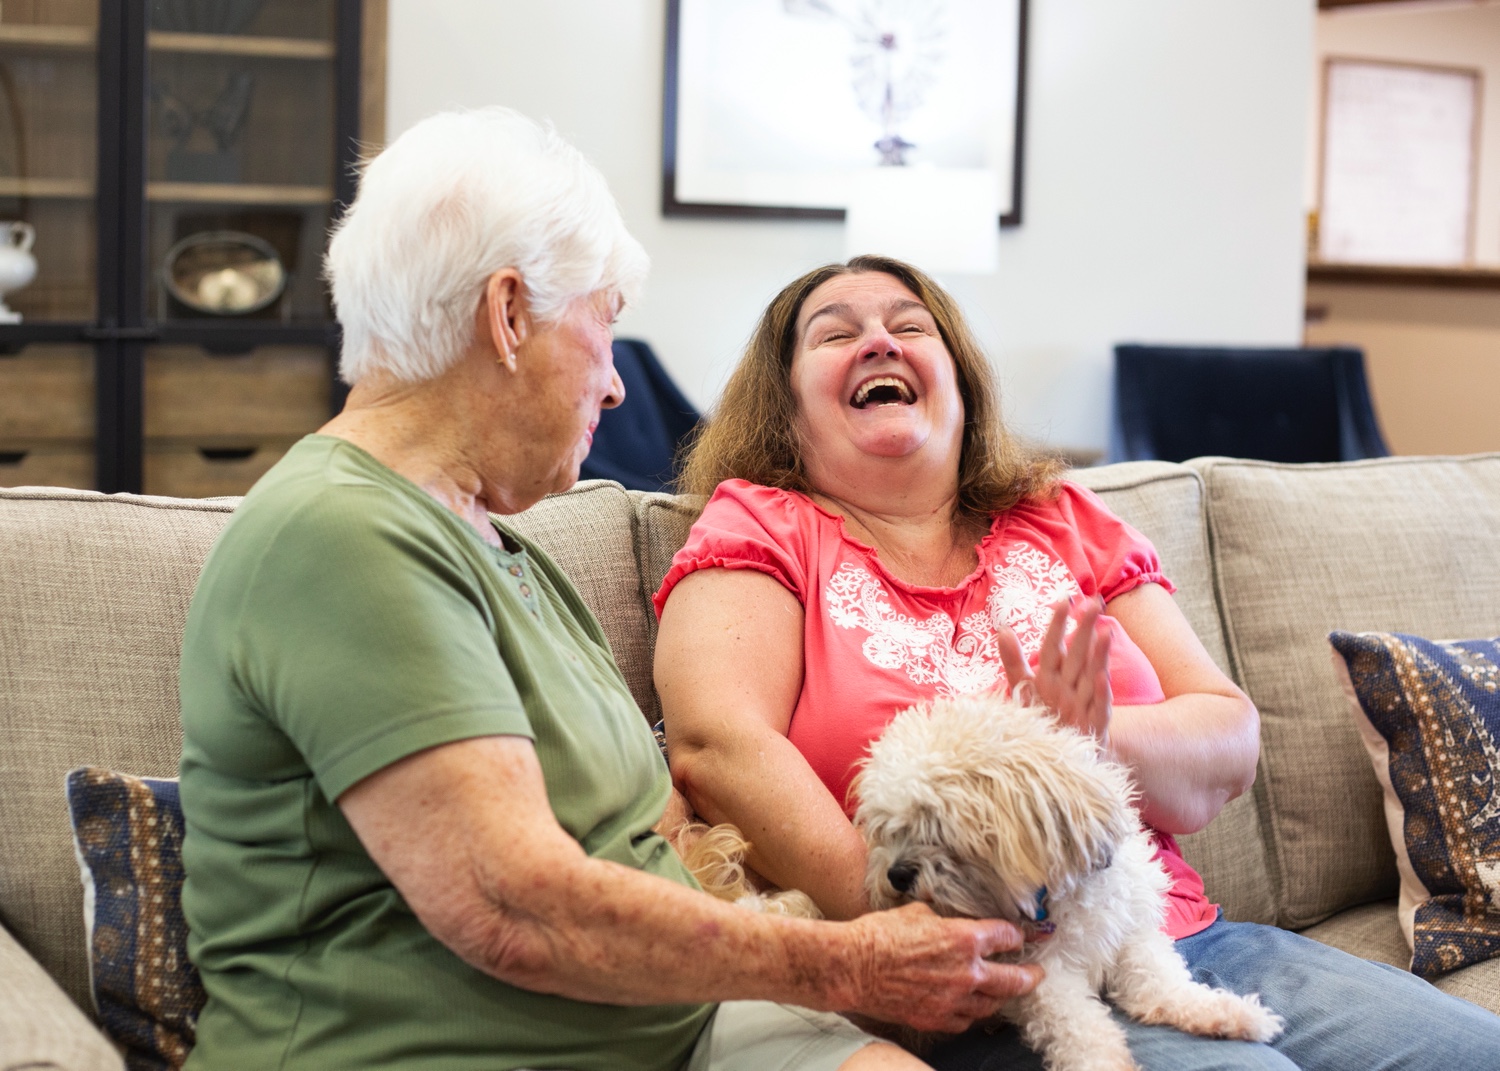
(1121, 558)
(747, 526)
(365, 638)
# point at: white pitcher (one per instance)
(17, 265)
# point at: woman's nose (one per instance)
(616, 393)
(880, 343)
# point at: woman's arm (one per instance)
(1189, 755)
(465, 833)
(729, 670)
(1197, 751)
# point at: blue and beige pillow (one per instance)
(1429, 715)
(127, 832)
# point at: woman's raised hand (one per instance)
(1071, 679)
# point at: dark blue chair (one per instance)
(1177, 402)
(637, 442)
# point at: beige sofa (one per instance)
(1268, 558)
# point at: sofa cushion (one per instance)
(1165, 502)
(40, 1028)
(127, 832)
(1301, 550)
(1371, 931)
(590, 532)
(96, 589)
(1429, 715)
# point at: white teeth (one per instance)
(862, 395)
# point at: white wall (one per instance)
(1463, 34)
(1163, 187)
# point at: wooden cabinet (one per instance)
(127, 127)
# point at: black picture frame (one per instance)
(673, 205)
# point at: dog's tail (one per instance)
(716, 857)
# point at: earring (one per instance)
(508, 359)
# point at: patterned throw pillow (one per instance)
(1429, 714)
(127, 832)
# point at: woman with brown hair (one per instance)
(875, 537)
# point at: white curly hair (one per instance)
(454, 199)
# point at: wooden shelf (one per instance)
(11, 186)
(223, 193)
(234, 193)
(39, 35)
(1472, 278)
(219, 44)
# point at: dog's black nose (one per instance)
(902, 877)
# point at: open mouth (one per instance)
(883, 390)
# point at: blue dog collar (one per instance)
(1040, 914)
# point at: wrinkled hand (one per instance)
(932, 973)
(1073, 679)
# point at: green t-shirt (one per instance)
(344, 620)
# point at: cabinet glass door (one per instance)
(48, 164)
(48, 104)
(240, 159)
(239, 188)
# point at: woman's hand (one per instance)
(936, 973)
(1073, 679)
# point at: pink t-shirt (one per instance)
(873, 644)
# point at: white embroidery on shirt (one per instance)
(960, 659)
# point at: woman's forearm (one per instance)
(597, 931)
(466, 833)
(800, 838)
(605, 933)
(1190, 755)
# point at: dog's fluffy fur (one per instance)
(716, 857)
(984, 808)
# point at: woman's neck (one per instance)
(930, 541)
(409, 430)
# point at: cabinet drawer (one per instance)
(47, 392)
(207, 469)
(271, 392)
(48, 463)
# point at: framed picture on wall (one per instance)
(772, 107)
(1399, 155)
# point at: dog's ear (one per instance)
(1098, 818)
(1059, 814)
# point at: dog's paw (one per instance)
(1255, 1021)
(1218, 1013)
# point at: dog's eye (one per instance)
(902, 877)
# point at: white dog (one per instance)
(985, 808)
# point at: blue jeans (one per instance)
(1342, 1014)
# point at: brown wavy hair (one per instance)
(752, 432)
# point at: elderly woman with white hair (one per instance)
(422, 808)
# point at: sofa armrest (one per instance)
(39, 1025)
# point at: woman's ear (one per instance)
(506, 314)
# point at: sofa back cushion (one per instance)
(95, 589)
(590, 532)
(1165, 502)
(1393, 545)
